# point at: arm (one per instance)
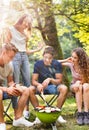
(55, 81)
(10, 81)
(58, 79)
(4, 89)
(14, 89)
(65, 62)
(35, 50)
(36, 83)
(8, 36)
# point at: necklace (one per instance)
(77, 69)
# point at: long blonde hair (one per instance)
(20, 21)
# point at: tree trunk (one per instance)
(49, 33)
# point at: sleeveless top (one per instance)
(18, 39)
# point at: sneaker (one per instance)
(86, 118)
(37, 121)
(80, 118)
(2, 126)
(26, 114)
(61, 120)
(22, 122)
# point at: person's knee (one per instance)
(63, 89)
(85, 87)
(76, 88)
(26, 92)
(31, 90)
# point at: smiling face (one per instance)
(26, 24)
(75, 58)
(47, 58)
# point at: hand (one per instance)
(69, 59)
(40, 46)
(13, 91)
(40, 87)
(46, 82)
(20, 88)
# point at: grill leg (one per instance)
(53, 126)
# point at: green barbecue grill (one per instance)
(48, 115)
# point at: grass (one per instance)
(68, 112)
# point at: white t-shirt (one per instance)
(18, 39)
(6, 71)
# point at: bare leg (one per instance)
(62, 96)
(86, 96)
(27, 105)
(77, 89)
(33, 98)
(79, 100)
(1, 108)
(21, 103)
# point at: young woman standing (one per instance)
(19, 35)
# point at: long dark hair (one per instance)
(83, 61)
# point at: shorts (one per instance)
(13, 99)
(51, 89)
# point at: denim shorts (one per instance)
(13, 99)
(51, 89)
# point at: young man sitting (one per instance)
(7, 52)
(47, 78)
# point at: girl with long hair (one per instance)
(79, 65)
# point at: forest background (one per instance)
(63, 24)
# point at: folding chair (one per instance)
(6, 110)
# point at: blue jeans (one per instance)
(21, 66)
(21, 70)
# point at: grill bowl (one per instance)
(48, 117)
